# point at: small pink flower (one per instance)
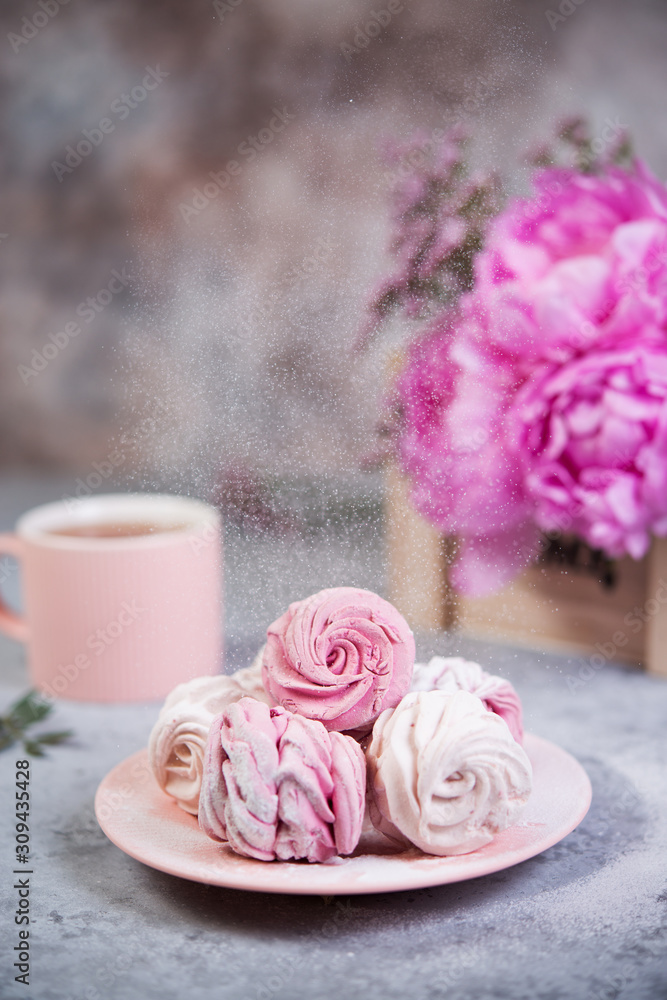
(438, 215)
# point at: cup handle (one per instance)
(12, 624)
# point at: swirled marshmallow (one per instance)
(453, 673)
(444, 773)
(341, 656)
(178, 739)
(280, 786)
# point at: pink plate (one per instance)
(149, 826)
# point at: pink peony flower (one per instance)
(464, 478)
(571, 215)
(595, 429)
(541, 403)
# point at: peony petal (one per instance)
(487, 563)
(622, 498)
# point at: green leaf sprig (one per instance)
(23, 714)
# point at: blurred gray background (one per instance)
(221, 363)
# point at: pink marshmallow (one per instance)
(452, 674)
(279, 786)
(341, 656)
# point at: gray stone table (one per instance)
(585, 919)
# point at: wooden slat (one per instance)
(557, 607)
(416, 560)
(655, 609)
(548, 606)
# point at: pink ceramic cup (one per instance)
(121, 618)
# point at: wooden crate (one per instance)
(548, 606)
